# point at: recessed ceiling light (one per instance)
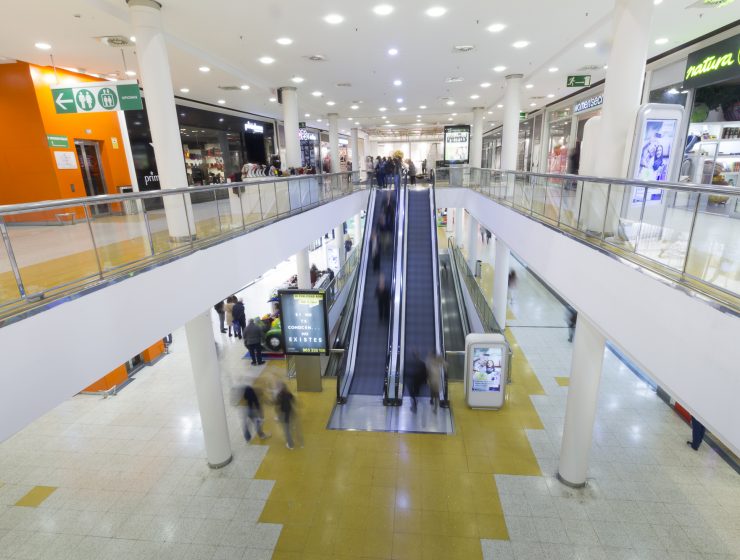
(273, 99)
(204, 69)
(533, 104)
(499, 68)
(661, 41)
(316, 93)
(490, 112)
(221, 119)
(399, 100)
(184, 90)
(422, 106)
(384, 117)
(454, 114)
(589, 45)
(393, 52)
(402, 108)
(383, 9)
(245, 87)
(42, 46)
(132, 39)
(130, 73)
(382, 109)
(450, 102)
(318, 120)
(553, 69)
(307, 115)
(449, 119)
(418, 116)
(474, 96)
(266, 60)
(520, 44)
(496, 27)
(397, 82)
(485, 84)
(355, 107)
(606, 66)
(500, 106)
(284, 41)
(221, 102)
(656, 2)
(330, 103)
(334, 19)
(436, 11)
(529, 86)
(550, 95)
(297, 79)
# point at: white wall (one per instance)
(51, 356)
(688, 347)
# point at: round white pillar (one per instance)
(500, 282)
(358, 230)
(476, 139)
(208, 390)
(325, 242)
(154, 70)
(472, 241)
(459, 218)
(303, 269)
(334, 142)
(512, 106)
(450, 219)
(290, 125)
(354, 147)
(339, 238)
(580, 411)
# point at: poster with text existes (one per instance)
(304, 322)
(457, 144)
(487, 368)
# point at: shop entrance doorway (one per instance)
(88, 154)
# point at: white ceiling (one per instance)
(230, 35)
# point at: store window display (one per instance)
(558, 141)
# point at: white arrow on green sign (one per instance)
(578, 81)
(97, 97)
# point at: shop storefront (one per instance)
(309, 142)
(491, 157)
(528, 149)
(217, 147)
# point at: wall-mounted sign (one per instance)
(97, 97)
(302, 124)
(57, 141)
(305, 327)
(66, 160)
(588, 104)
(578, 81)
(343, 142)
(457, 143)
(522, 115)
(250, 126)
(304, 134)
(114, 142)
(713, 64)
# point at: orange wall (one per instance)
(28, 170)
(115, 377)
(153, 352)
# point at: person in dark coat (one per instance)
(240, 319)
(253, 342)
(254, 413)
(285, 406)
(417, 376)
(383, 295)
(697, 434)
(219, 307)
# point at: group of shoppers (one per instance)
(286, 413)
(231, 314)
(389, 171)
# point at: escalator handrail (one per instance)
(340, 340)
(439, 340)
(401, 353)
(458, 288)
(397, 290)
(359, 294)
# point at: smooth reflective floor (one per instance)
(368, 413)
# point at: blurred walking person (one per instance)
(240, 318)
(253, 342)
(417, 378)
(434, 365)
(228, 308)
(255, 416)
(383, 295)
(219, 307)
(570, 318)
(512, 285)
(285, 405)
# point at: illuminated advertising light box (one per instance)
(305, 325)
(486, 370)
(457, 144)
(713, 64)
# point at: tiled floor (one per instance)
(131, 480)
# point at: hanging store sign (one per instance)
(578, 81)
(304, 134)
(588, 104)
(713, 64)
(57, 141)
(97, 97)
(456, 143)
(302, 124)
(250, 126)
(304, 322)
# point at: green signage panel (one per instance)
(97, 97)
(57, 141)
(578, 81)
(301, 124)
(522, 115)
(713, 64)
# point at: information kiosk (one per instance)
(486, 356)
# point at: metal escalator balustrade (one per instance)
(686, 233)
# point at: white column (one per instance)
(580, 411)
(154, 69)
(339, 238)
(354, 147)
(512, 106)
(334, 141)
(325, 242)
(358, 230)
(303, 269)
(500, 282)
(459, 239)
(476, 139)
(450, 219)
(208, 390)
(290, 125)
(471, 242)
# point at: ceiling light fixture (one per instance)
(42, 46)
(529, 86)
(130, 73)
(474, 96)
(661, 41)
(244, 87)
(318, 120)
(316, 93)
(393, 52)
(382, 109)
(454, 114)
(383, 9)
(355, 107)
(399, 100)
(397, 83)
(307, 115)
(266, 60)
(436, 11)
(490, 112)
(204, 69)
(132, 39)
(330, 103)
(589, 45)
(656, 2)
(357, 122)
(450, 102)
(273, 99)
(553, 69)
(422, 106)
(533, 104)
(449, 119)
(499, 68)
(296, 79)
(184, 90)
(496, 27)
(285, 41)
(334, 19)
(485, 85)
(221, 102)
(402, 108)
(520, 44)
(500, 106)
(550, 95)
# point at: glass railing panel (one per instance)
(251, 203)
(9, 290)
(714, 244)
(159, 225)
(53, 248)
(205, 214)
(295, 196)
(229, 208)
(570, 203)
(282, 196)
(269, 201)
(120, 233)
(539, 196)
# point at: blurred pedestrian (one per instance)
(240, 319)
(375, 251)
(417, 377)
(570, 318)
(253, 342)
(697, 434)
(228, 308)
(285, 405)
(434, 366)
(383, 295)
(219, 307)
(255, 415)
(412, 171)
(512, 285)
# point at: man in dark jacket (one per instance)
(240, 319)
(253, 342)
(219, 307)
(254, 413)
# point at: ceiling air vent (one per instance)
(230, 88)
(316, 57)
(115, 41)
(707, 4)
(591, 67)
(344, 84)
(453, 79)
(463, 48)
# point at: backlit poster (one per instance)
(304, 322)
(487, 368)
(655, 153)
(457, 144)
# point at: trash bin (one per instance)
(129, 206)
(478, 268)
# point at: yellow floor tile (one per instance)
(563, 381)
(407, 546)
(36, 496)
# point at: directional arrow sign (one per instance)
(578, 81)
(64, 101)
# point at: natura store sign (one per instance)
(713, 64)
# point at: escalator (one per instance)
(454, 317)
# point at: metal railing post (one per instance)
(241, 206)
(691, 235)
(606, 212)
(191, 227)
(148, 228)
(92, 239)
(11, 258)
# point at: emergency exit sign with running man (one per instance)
(97, 97)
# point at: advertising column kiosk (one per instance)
(486, 367)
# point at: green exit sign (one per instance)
(57, 141)
(522, 115)
(301, 124)
(578, 81)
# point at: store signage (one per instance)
(713, 64)
(588, 104)
(304, 134)
(97, 97)
(56, 141)
(522, 115)
(302, 124)
(343, 142)
(65, 160)
(304, 322)
(456, 143)
(250, 126)
(578, 81)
